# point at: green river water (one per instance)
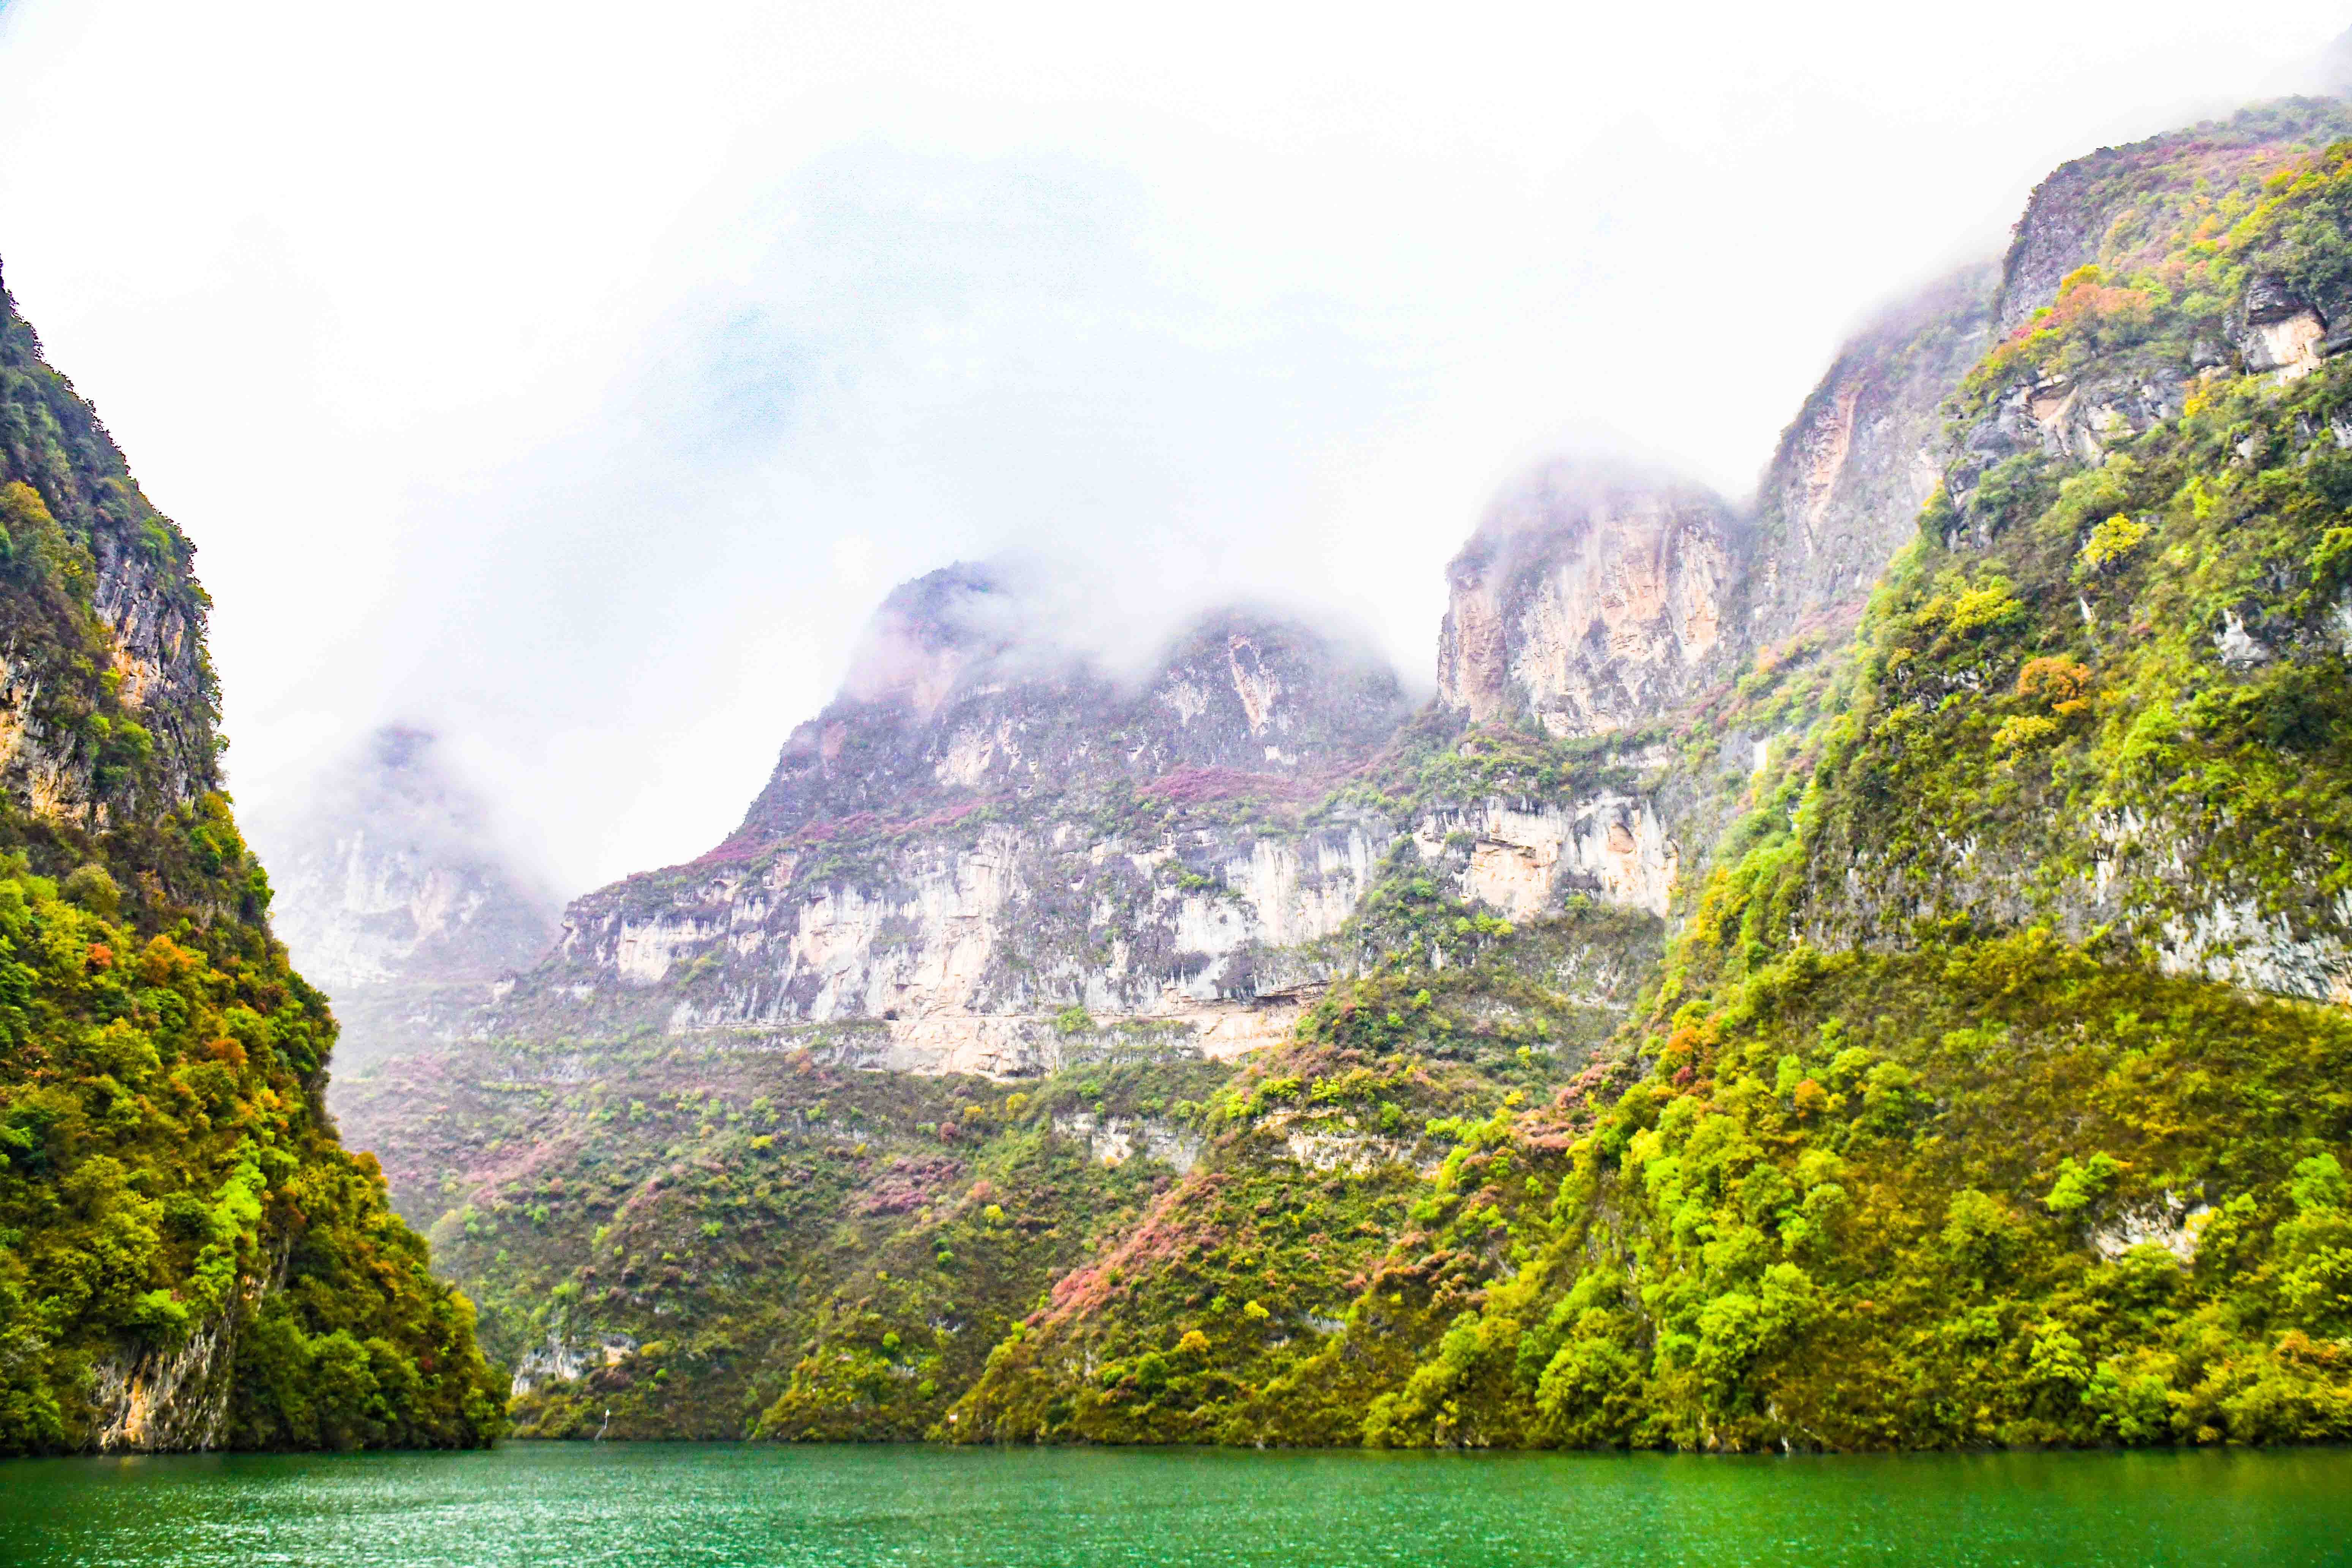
(653, 1505)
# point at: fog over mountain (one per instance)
(397, 892)
(577, 390)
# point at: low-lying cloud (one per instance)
(576, 381)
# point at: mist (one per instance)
(574, 381)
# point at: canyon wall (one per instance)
(397, 894)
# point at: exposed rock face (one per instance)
(1114, 1140)
(2073, 418)
(1592, 598)
(988, 857)
(968, 944)
(401, 878)
(1595, 599)
(961, 695)
(2284, 333)
(159, 657)
(985, 831)
(1527, 854)
(983, 834)
(1844, 488)
(395, 895)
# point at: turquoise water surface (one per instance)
(649, 1505)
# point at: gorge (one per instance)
(1862, 967)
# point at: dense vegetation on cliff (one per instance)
(187, 1255)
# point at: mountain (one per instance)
(985, 831)
(188, 1257)
(399, 898)
(1859, 969)
(1995, 1094)
(1002, 924)
(1589, 601)
(1599, 598)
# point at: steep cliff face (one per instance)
(1591, 599)
(2118, 638)
(1596, 599)
(187, 1257)
(986, 830)
(397, 896)
(1843, 489)
(1986, 1092)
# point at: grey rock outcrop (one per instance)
(1591, 599)
(396, 896)
(2281, 333)
(1849, 476)
(986, 829)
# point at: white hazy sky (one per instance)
(576, 378)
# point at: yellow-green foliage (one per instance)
(163, 1156)
(1843, 1212)
(2133, 674)
(2111, 541)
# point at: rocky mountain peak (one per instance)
(965, 687)
(933, 634)
(1591, 597)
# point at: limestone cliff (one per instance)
(1845, 487)
(1596, 598)
(1590, 599)
(398, 897)
(135, 733)
(986, 830)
